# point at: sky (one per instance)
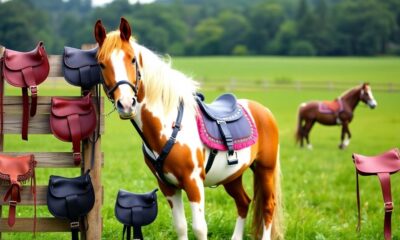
(102, 2)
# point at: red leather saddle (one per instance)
(73, 120)
(26, 70)
(382, 165)
(14, 171)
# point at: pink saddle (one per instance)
(382, 165)
(330, 107)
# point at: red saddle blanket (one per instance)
(330, 106)
(243, 130)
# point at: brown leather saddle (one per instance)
(26, 70)
(13, 172)
(382, 165)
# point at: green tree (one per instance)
(208, 34)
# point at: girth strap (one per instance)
(84, 73)
(384, 179)
(31, 83)
(227, 136)
(73, 215)
(211, 158)
(13, 193)
(76, 136)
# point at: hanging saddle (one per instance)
(81, 68)
(383, 166)
(225, 125)
(14, 171)
(26, 70)
(135, 210)
(70, 198)
(73, 120)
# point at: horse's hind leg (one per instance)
(307, 128)
(236, 191)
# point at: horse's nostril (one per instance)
(133, 102)
(119, 105)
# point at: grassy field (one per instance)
(318, 186)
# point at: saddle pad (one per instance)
(244, 131)
(330, 107)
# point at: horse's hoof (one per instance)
(309, 147)
(342, 146)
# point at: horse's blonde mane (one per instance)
(164, 86)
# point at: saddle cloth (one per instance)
(330, 107)
(225, 113)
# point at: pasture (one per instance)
(318, 186)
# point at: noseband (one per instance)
(135, 87)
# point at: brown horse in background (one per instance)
(337, 112)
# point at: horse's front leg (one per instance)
(178, 212)
(194, 187)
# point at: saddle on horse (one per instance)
(26, 70)
(14, 171)
(226, 126)
(382, 165)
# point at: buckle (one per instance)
(176, 126)
(12, 203)
(33, 89)
(388, 206)
(221, 122)
(232, 159)
(74, 224)
(76, 155)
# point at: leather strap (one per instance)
(31, 83)
(73, 215)
(84, 73)
(158, 162)
(211, 158)
(226, 134)
(75, 130)
(384, 179)
(25, 115)
(13, 193)
(137, 233)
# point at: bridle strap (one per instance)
(112, 90)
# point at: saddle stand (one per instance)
(382, 165)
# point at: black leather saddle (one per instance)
(224, 108)
(135, 210)
(81, 67)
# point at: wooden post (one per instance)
(2, 112)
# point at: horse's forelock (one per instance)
(113, 41)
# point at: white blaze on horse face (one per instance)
(372, 102)
(126, 99)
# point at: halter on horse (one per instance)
(160, 103)
(316, 111)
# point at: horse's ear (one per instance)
(99, 32)
(125, 29)
(365, 84)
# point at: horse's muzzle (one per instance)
(126, 107)
(372, 104)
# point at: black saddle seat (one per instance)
(224, 108)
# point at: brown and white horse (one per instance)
(312, 112)
(146, 90)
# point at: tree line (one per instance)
(213, 27)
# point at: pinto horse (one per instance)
(338, 112)
(148, 91)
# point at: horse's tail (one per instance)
(277, 231)
(298, 127)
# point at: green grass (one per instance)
(336, 69)
(318, 186)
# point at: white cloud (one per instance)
(102, 2)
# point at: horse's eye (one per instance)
(133, 60)
(102, 65)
